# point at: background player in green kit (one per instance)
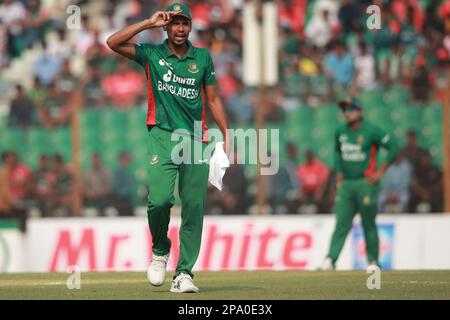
(181, 82)
(357, 178)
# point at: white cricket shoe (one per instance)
(183, 284)
(156, 273)
(327, 265)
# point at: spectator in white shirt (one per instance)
(319, 30)
(365, 68)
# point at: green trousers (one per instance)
(355, 196)
(192, 188)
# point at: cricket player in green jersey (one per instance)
(181, 82)
(357, 178)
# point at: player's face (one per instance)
(178, 30)
(352, 115)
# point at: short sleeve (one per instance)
(387, 141)
(210, 74)
(381, 137)
(143, 51)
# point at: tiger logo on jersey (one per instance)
(193, 67)
(154, 159)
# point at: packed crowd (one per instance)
(50, 188)
(325, 48)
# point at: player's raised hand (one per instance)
(160, 19)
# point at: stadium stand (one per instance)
(303, 106)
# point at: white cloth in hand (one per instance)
(218, 164)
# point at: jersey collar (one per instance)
(168, 53)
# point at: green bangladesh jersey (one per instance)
(176, 98)
(356, 151)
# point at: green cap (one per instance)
(180, 9)
(350, 103)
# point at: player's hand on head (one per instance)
(160, 18)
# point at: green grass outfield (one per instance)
(252, 285)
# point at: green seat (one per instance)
(110, 138)
(326, 154)
(13, 139)
(384, 123)
(299, 116)
(60, 136)
(373, 99)
(323, 131)
(432, 115)
(38, 136)
(397, 96)
(89, 119)
(406, 116)
(3, 124)
(433, 134)
(412, 115)
(111, 119)
(328, 114)
(136, 133)
(377, 115)
(109, 157)
(31, 157)
(140, 173)
(400, 134)
(91, 136)
(91, 146)
(437, 153)
(298, 130)
(136, 117)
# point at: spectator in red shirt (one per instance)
(400, 9)
(228, 82)
(16, 182)
(292, 14)
(201, 14)
(124, 86)
(313, 176)
(7, 199)
(20, 178)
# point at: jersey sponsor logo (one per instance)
(352, 152)
(193, 67)
(178, 91)
(167, 76)
(163, 62)
(170, 76)
(188, 81)
(385, 139)
(170, 79)
(343, 138)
